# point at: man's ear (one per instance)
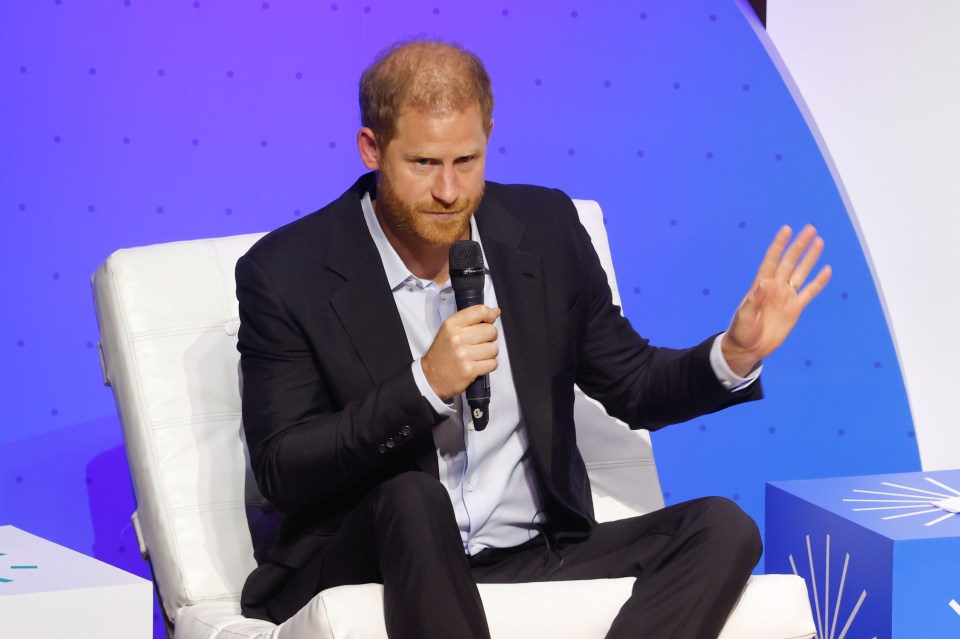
(489, 130)
(369, 149)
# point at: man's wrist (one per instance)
(441, 406)
(728, 378)
(740, 362)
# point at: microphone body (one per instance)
(467, 277)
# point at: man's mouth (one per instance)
(444, 213)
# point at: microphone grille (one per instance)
(466, 266)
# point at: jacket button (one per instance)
(405, 431)
(390, 443)
(382, 448)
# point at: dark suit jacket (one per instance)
(330, 407)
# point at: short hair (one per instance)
(429, 75)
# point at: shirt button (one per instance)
(469, 488)
(443, 296)
(470, 426)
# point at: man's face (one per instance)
(431, 177)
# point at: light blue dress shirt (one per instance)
(489, 475)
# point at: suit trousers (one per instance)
(691, 562)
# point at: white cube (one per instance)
(47, 590)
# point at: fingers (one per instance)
(792, 264)
(483, 366)
(813, 289)
(473, 336)
(476, 314)
(478, 352)
(771, 258)
(800, 273)
(477, 334)
(474, 324)
(464, 348)
(792, 255)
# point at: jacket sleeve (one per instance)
(304, 448)
(643, 385)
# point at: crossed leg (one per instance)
(691, 562)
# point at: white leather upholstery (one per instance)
(771, 607)
(168, 324)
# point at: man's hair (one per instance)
(426, 75)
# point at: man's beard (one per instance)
(417, 220)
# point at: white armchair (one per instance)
(168, 324)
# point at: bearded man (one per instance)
(354, 363)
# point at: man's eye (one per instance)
(422, 162)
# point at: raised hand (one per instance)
(776, 298)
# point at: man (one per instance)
(354, 362)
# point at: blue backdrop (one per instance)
(129, 122)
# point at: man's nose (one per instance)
(445, 187)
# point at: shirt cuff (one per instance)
(727, 378)
(443, 409)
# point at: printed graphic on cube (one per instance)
(6, 578)
(879, 553)
(827, 627)
(917, 500)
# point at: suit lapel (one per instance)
(521, 294)
(365, 305)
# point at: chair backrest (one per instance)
(168, 325)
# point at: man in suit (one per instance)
(354, 362)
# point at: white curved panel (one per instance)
(881, 81)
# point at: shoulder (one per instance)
(527, 200)
(309, 236)
(548, 217)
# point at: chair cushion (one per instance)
(771, 607)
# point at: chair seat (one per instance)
(769, 608)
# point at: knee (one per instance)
(413, 495)
(732, 529)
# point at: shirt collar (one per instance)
(397, 272)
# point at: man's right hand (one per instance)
(465, 348)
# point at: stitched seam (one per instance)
(192, 420)
(217, 506)
(140, 408)
(620, 462)
(326, 614)
(185, 329)
(221, 285)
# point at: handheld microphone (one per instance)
(467, 278)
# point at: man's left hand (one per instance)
(773, 305)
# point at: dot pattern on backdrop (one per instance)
(670, 115)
